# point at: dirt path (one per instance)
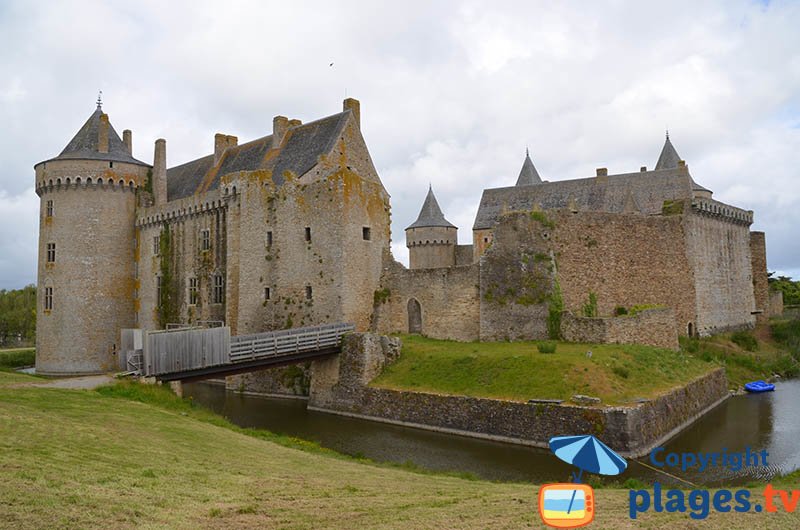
(88, 382)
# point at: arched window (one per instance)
(414, 316)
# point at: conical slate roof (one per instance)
(669, 160)
(85, 145)
(669, 157)
(431, 215)
(528, 175)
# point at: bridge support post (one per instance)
(177, 387)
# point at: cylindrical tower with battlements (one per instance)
(431, 239)
(86, 278)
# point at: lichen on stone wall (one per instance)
(545, 221)
(168, 303)
(672, 208)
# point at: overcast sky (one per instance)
(451, 94)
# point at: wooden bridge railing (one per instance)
(182, 350)
(273, 343)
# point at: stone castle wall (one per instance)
(718, 248)
(340, 385)
(293, 380)
(448, 300)
(431, 247)
(186, 219)
(305, 253)
(758, 261)
(654, 327)
(517, 279)
(92, 276)
(775, 303)
(626, 260)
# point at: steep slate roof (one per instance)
(431, 215)
(669, 159)
(528, 175)
(85, 144)
(301, 150)
(648, 190)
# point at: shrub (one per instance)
(546, 347)
(620, 311)
(746, 340)
(621, 371)
(17, 359)
(590, 307)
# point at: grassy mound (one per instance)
(518, 371)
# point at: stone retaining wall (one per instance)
(654, 327)
(339, 385)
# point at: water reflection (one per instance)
(763, 421)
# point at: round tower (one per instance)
(431, 239)
(86, 278)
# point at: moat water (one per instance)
(761, 421)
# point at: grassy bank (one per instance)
(748, 356)
(135, 456)
(517, 371)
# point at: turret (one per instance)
(528, 176)
(431, 239)
(86, 250)
(670, 159)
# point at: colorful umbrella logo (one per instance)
(588, 454)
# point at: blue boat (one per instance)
(759, 386)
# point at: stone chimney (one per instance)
(643, 169)
(102, 134)
(160, 172)
(602, 172)
(127, 139)
(280, 125)
(222, 142)
(295, 123)
(355, 107)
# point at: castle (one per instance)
(293, 229)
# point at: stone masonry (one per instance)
(293, 229)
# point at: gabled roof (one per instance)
(431, 215)
(669, 157)
(300, 152)
(85, 145)
(528, 175)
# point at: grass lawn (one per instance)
(517, 371)
(138, 457)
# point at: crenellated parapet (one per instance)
(186, 208)
(720, 210)
(77, 182)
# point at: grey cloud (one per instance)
(451, 93)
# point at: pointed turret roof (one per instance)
(669, 157)
(528, 175)
(85, 145)
(431, 215)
